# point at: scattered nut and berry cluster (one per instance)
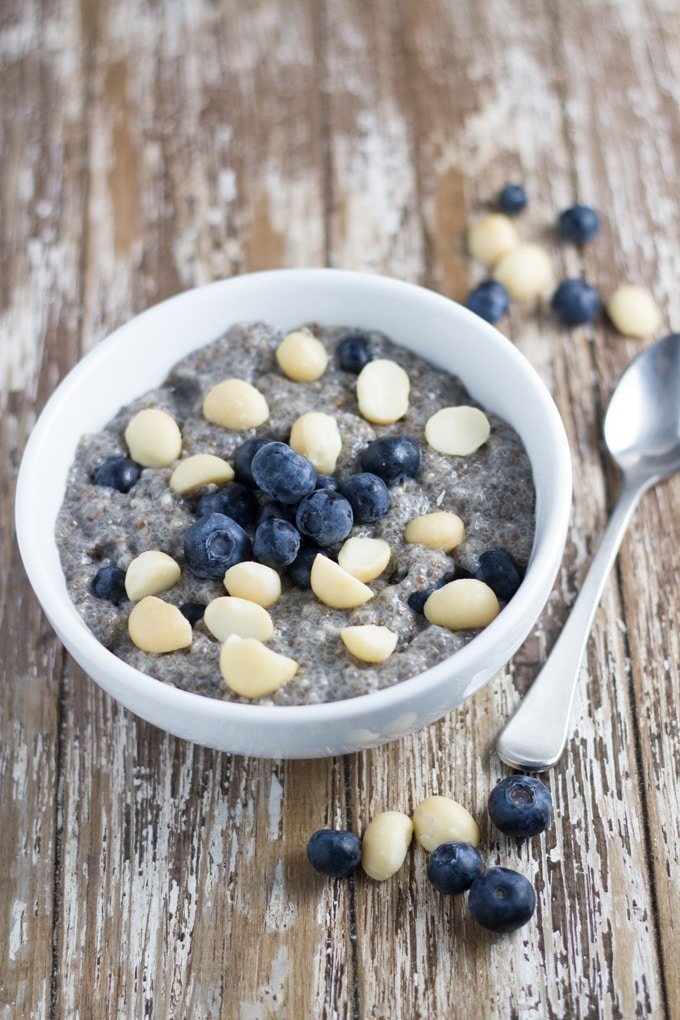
(500, 899)
(303, 527)
(523, 272)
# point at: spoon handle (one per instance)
(534, 738)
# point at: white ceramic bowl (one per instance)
(138, 356)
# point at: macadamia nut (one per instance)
(252, 670)
(229, 615)
(490, 237)
(525, 272)
(385, 844)
(439, 820)
(466, 604)
(439, 530)
(198, 470)
(364, 558)
(369, 643)
(156, 626)
(150, 573)
(382, 391)
(457, 431)
(254, 582)
(235, 404)
(634, 311)
(335, 587)
(302, 357)
(153, 438)
(316, 437)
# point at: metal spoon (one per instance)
(642, 434)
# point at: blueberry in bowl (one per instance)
(213, 544)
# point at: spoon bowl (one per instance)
(642, 424)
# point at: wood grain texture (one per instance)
(148, 147)
(41, 132)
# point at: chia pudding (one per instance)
(491, 490)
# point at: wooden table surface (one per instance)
(147, 147)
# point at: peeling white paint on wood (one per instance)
(209, 148)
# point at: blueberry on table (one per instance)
(119, 473)
(213, 544)
(576, 302)
(326, 482)
(512, 198)
(300, 570)
(109, 584)
(233, 500)
(579, 224)
(498, 569)
(520, 806)
(282, 473)
(392, 458)
(334, 852)
(325, 516)
(276, 543)
(453, 867)
(243, 458)
(354, 353)
(501, 900)
(192, 611)
(368, 497)
(490, 301)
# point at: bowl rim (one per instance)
(541, 571)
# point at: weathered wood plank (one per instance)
(40, 239)
(229, 139)
(471, 114)
(630, 169)
(183, 891)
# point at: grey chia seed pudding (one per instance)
(491, 490)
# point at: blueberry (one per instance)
(326, 482)
(243, 458)
(575, 302)
(354, 353)
(368, 497)
(119, 473)
(512, 198)
(233, 500)
(282, 473)
(276, 543)
(490, 301)
(579, 224)
(325, 516)
(334, 852)
(453, 867)
(392, 458)
(274, 509)
(213, 544)
(501, 900)
(498, 569)
(109, 584)
(418, 599)
(520, 806)
(300, 569)
(193, 611)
